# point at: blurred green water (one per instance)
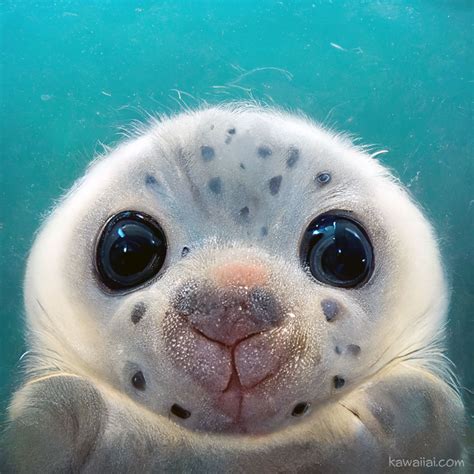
(397, 74)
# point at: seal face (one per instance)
(234, 270)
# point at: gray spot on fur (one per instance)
(264, 151)
(230, 133)
(339, 381)
(150, 180)
(330, 309)
(323, 178)
(242, 166)
(180, 412)
(207, 153)
(353, 349)
(138, 312)
(244, 213)
(215, 185)
(154, 186)
(274, 184)
(264, 231)
(293, 157)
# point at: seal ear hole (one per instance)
(185, 251)
(180, 412)
(138, 381)
(338, 381)
(300, 409)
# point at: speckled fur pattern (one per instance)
(237, 182)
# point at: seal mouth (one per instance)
(241, 379)
(230, 400)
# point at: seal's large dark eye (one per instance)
(337, 251)
(131, 250)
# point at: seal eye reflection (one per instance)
(337, 251)
(131, 250)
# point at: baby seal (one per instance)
(234, 290)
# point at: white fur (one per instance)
(75, 328)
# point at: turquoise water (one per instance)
(397, 74)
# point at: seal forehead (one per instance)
(204, 176)
(243, 167)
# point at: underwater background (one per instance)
(398, 74)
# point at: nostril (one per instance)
(180, 412)
(300, 409)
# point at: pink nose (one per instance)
(239, 274)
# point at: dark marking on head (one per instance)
(353, 349)
(337, 349)
(138, 312)
(138, 381)
(244, 213)
(300, 409)
(215, 185)
(264, 151)
(242, 166)
(264, 231)
(338, 381)
(207, 153)
(212, 127)
(185, 251)
(230, 133)
(180, 412)
(293, 157)
(330, 309)
(323, 178)
(274, 184)
(150, 180)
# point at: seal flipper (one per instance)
(54, 424)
